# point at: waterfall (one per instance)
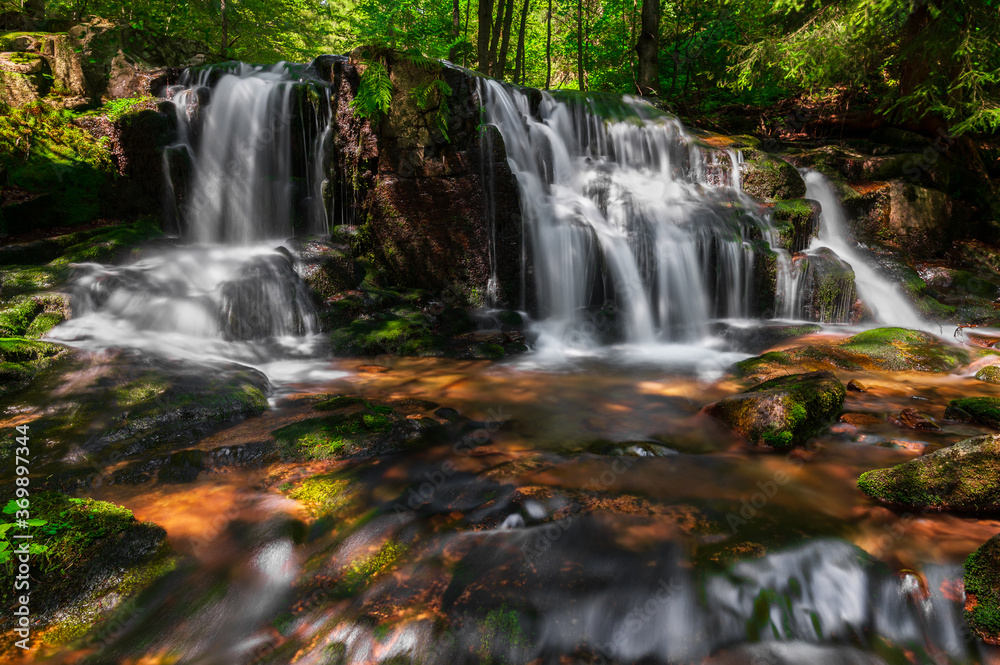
(248, 171)
(885, 299)
(255, 139)
(625, 214)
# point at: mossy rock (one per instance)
(829, 287)
(769, 178)
(797, 221)
(402, 332)
(354, 425)
(89, 557)
(980, 410)
(982, 591)
(21, 360)
(989, 374)
(964, 477)
(327, 268)
(784, 412)
(881, 349)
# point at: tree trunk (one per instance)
(495, 37)
(225, 30)
(483, 39)
(456, 19)
(508, 19)
(548, 48)
(580, 74)
(519, 64)
(647, 47)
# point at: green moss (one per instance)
(962, 477)
(116, 109)
(328, 436)
(981, 410)
(989, 374)
(15, 320)
(322, 494)
(763, 364)
(22, 359)
(982, 587)
(139, 392)
(111, 245)
(400, 331)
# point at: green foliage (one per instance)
(427, 93)
(116, 109)
(374, 92)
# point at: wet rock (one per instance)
(882, 349)
(98, 557)
(784, 412)
(856, 386)
(633, 449)
(828, 282)
(797, 221)
(861, 420)
(913, 419)
(982, 591)
(979, 410)
(961, 478)
(769, 178)
(989, 374)
(757, 338)
(21, 360)
(326, 268)
(255, 304)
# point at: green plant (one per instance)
(374, 95)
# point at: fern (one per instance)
(374, 92)
(424, 95)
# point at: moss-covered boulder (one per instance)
(982, 591)
(351, 425)
(784, 412)
(881, 349)
(327, 268)
(964, 477)
(87, 557)
(979, 410)
(989, 374)
(769, 178)
(22, 359)
(828, 283)
(797, 221)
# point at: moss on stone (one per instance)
(962, 477)
(15, 319)
(783, 412)
(982, 590)
(22, 359)
(989, 374)
(981, 410)
(329, 436)
(321, 494)
(769, 178)
(796, 222)
(406, 332)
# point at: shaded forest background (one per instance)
(926, 64)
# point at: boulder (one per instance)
(989, 374)
(770, 178)
(979, 410)
(784, 412)
(796, 221)
(982, 591)
(327, 268)
(828, 287)
(960, 478)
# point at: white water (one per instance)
(255, 152)
(627, 215)
(886, 300)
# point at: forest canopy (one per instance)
(912, 61)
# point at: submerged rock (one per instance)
(982, 591)
(856, 386)
(961, 478)
(980, 410)
(913, 419)
(784, 412)
(990, 374)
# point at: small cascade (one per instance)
(885, 299)
(623, 212)
(253, 141)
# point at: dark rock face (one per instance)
(421, 200)
(784, 412)
(829, 287)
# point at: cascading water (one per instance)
(622, 208)
(251, 142)
(884, 298)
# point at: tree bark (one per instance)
(483, 39)
(548, 48)
(519, 64)
(580, 73)
(456, 18)
(225, 30)
(495, 37)
(647, 47)
(508, 19)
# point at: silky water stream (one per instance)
(536, 511)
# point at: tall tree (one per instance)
(580, 73)
(519, 63)
(483, 40)
(501, 64)
(495, 36)
(548, 48)
(648, 47)
(456, 18)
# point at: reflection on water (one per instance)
(533, 541)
